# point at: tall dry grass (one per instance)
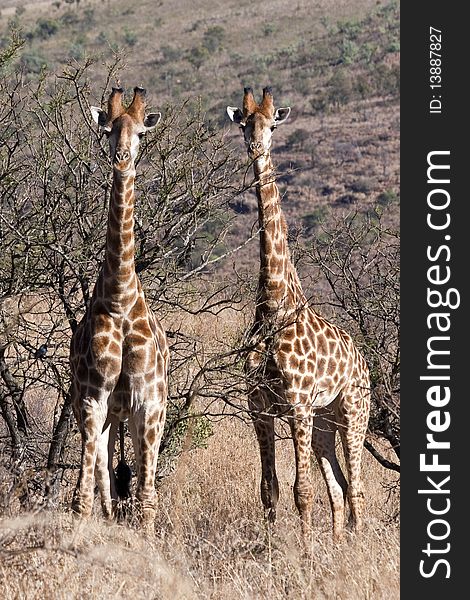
(210, 540)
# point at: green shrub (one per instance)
(394, 46)
(268, 29)
(298, 137)
(182, 432)
(170, 53)
(69, 18)
(9, 48)
(77, 51)
(368, 51)
(46, 28)
(313, 219)
(340, 88)
(386, 198)
(386, 79)
(319, 103)
(32, 62)
(213, 38)
(346, 199)
(363, 86)
(130, 36)
(350, 29)
(89, 16)
(197, 56)
(349, 51)
(102, 38)
(362, 186)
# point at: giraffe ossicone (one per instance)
(119, 352)
(300, 366)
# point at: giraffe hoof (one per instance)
(147, 528)
(147, 520)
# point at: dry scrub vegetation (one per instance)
(210, 539)
(337, 65)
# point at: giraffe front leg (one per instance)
(147, 429)
(90, 427)
(264, 427)
(301, 424)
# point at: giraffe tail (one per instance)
(123, 471)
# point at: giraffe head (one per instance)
(257, 122)
(124, 127)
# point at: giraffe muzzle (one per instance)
(255, 149)
(122, 156)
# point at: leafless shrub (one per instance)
(357, 258)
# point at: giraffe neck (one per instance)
(119, 280)
(279, 289)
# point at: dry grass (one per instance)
(210, 540)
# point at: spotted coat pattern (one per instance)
(119, 352)
(300, 365)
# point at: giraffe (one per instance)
(299, 365)
(119, 352)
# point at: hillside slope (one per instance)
(336, 66)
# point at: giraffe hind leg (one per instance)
(146, 430)
(264, 428)
(104, 473)
(91, 425)
(323, 444)
(301, 424)
(353, 417)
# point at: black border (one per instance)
(422, 132)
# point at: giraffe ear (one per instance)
(151, 120)
(235, 114)
(100, 116)
(280, 116)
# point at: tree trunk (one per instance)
(12, 407)
(59, 439)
